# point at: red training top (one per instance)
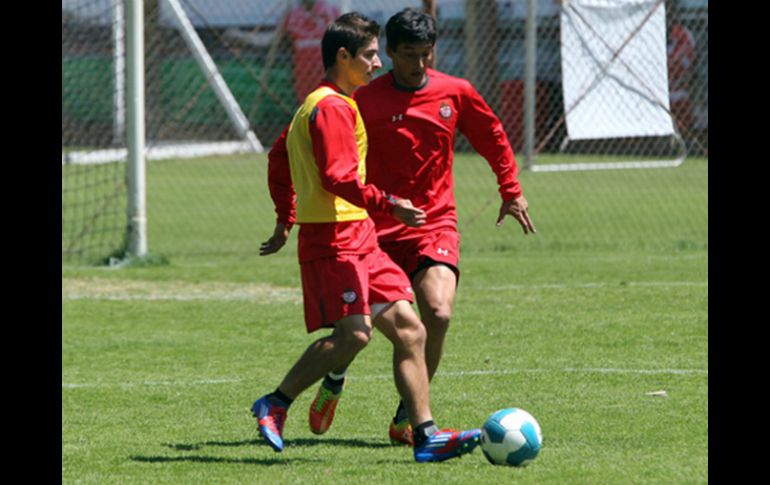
(411, 144)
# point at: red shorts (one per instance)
(416, 254)
(334, 288)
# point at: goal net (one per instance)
(620, 84)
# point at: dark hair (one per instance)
(352, 31)
(410, 25)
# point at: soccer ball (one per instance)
(511, 437)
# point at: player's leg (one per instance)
(435, 288)
(351, 334)
(334, 282)
(324, 405)
(401, 325)
(403, 328)
(432, 264)
(334, 290)
(390, 280)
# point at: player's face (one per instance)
(365, 64)
(410, 60)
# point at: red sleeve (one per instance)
(485, 132)
(279, 181)
(332, 129)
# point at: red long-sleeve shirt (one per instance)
(411, 144)
(336, 154)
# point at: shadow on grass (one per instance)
(350, 443)
(219, 459)
(278, 460)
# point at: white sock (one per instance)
(337, 377)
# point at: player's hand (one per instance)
(276, 241)
(518, 209)
(410, 215)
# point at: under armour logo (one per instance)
(397, 118)
(442, 251)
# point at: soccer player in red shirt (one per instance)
(348, 283)
(411, 115)
(305, 24)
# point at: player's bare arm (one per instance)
(276, 241)
(518, 208)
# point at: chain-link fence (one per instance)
(267, 52)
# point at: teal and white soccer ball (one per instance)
(511, 437)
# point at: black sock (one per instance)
(334, 385)
(422, 431)
(400, 413)
(277, 398)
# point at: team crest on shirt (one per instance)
(445, 110)
(349, 296)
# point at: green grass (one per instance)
(607, 303)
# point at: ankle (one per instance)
(423, 431)
(278, 398)
(334, 382)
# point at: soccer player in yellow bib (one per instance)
(317, 176)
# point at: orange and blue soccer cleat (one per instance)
(401, 432)
(270, 420)
(322, 410)
(446, 444)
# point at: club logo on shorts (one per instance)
(445, 111)
(349, 296)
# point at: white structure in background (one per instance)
(614, 68)
(615, 75)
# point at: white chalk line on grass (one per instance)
(470, 373)
(586, 370)
(625, 284)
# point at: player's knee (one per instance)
(352, 334)
(410, 331)
(419, 337)
(356, 340)
(401, 325)
(438, 317)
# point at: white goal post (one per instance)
(129, 113)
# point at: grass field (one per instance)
(608, 303)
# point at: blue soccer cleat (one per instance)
(446, 444)
(270, 420)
